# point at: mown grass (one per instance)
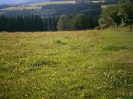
(66, 65)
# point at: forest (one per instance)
(54, 10)
(36, 23)
(68, 9)
(53, 17)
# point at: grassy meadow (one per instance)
(66, 65)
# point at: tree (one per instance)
(91, 22)
(54, 24)
(45, 24)
(110, 16)
(126, 10)
(105, 17)
(63, 23)
(3, 23)
(116, 17)
(49, 21)
(79, 22)
(113, 1)
(21, 23)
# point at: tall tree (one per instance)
(3, 23)
(20, 23)
(54, 24)
(91, 22)
(80, 22)
(45, 25)
(126, 10)
(110, 16)
(49, 21)
(63, 23)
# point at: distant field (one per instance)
(36, 6)
(104, 6)
(66, 65)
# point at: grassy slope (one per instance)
(66, 65)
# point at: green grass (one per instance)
(66, 65)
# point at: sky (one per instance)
(13, 1)
(10, 1)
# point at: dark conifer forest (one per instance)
(21, 23)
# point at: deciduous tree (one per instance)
(80, 22)
(110, 16)
(63, 23)
(126, 10)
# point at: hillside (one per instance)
(53, 8)
(66, 65)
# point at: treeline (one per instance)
(120, 15)
(23, 12)
(21, 23)
(55, 10)
(78, 6)
(111, 1)
(67, 9)
(78, 22)
(36, 23)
